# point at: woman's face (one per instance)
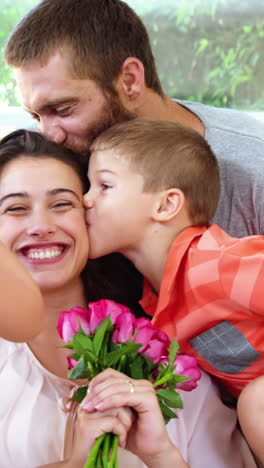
(42, 219)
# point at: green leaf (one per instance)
(247, 28)
(178, 379)
(167, 413)
(80, 394)
(75, 356)
(173, 350)
(79, 371)
(203, 44)
(105, 325)
(67, 346)
(112, 358)
(82, 343)
(136, 368)
(83, 346)
(170, 398)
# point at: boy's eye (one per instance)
(105, 186)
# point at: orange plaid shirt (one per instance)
(210, 300)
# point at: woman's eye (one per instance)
(63, 204)
(15, 209)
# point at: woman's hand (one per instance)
(147, 437)
(91, 426)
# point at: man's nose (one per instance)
(52, 131)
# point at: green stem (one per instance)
(163, 380)
(113, 460)
(90, 462)
(122, 363)
(105, 450)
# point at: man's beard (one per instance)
(112, 113)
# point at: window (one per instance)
(208, 50)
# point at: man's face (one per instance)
(69, 111)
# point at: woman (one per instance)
(42, 223)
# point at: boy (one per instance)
(204, 287)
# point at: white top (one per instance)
(33, 424)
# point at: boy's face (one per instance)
(118, 211)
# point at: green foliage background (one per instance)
(206, 50)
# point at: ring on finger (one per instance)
(131, 386)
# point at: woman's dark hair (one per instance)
(34, 145)
(110, 277)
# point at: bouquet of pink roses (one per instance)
(108, 335)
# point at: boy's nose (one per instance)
(87, 200)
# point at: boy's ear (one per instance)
(169, 204)
(131, 81)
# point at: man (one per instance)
(83, 65)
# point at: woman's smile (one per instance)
(48, 253)
(42, 219)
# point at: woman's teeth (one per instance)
(41, 254)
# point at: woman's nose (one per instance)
(41, 226)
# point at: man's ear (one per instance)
(131, 81)
(169, 204)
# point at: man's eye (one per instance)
(35, 117)
(63, 111)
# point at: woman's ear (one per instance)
(169, 204)
(131, 81)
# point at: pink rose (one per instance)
(70, 321)
(124, 328)
(154, 341)
(71, 362)
(101, 309)
(187, 365)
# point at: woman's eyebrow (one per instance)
(12, 195)
(57, 191)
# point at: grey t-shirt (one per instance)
(238, 143)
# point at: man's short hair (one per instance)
(168, 155)
(96, 36)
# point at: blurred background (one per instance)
(206, 50)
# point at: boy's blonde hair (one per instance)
(168, 155)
